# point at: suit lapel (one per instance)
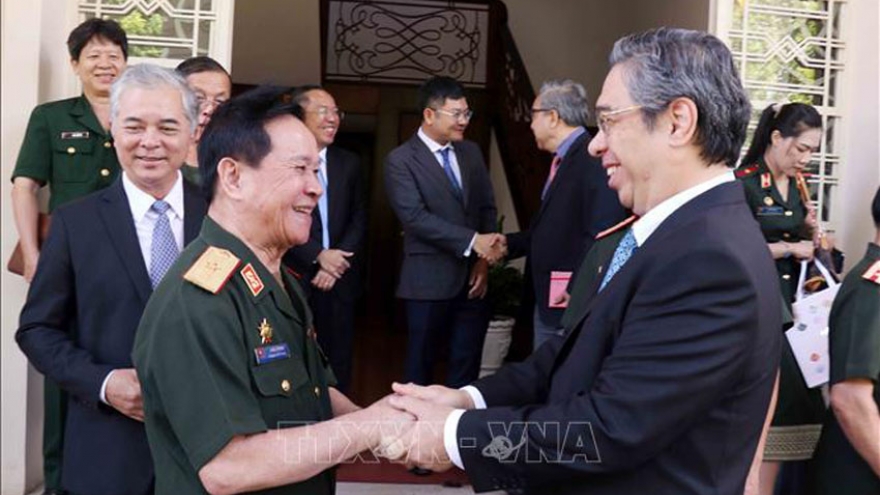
(464, 168)
(116, 216)
(564, 167)
(431, 166)
(194, 210)
(334, 186)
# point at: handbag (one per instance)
(16, 261)
(808, 337)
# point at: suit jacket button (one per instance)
(285, 385)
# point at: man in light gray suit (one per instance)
(439, 189)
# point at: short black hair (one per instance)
(299, 93)
(195, 65)
(237, 129)
(106, 29)
(875, 209)
(437, 90)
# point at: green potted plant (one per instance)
(504, 294)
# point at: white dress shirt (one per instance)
(642, 229)
(144, 220)
(435, 149)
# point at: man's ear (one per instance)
(683, 115)
(229, 177)
(428, 115)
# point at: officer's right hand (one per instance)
(123, 392)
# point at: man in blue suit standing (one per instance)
(102, 259)
(439, 188)
(662, 386)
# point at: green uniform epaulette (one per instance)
(746, 171)
(212, 269)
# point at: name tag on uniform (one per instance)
(75, 135)
(769, 211)
(268, 353)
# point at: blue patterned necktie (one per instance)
(163, 250)
(621, 255)
(447, 167)
(322, 207)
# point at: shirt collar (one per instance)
(432, 145)
(646, 225)
(140, 202)
(322, 155)
(566, 143)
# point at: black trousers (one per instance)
(334, 323)
(461, 322)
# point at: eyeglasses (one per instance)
(204, 101)
(605, 119)
(539, 110)
(324, 112)
(458, 114)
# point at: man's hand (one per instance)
(391, 425)
(802, 250)
(423, 443)
(491, 247)
(334, 261)
(30, 265)
(123, 392)
(324, 280)
(479, 280)
(435, 394)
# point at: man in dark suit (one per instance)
(439, 188)
(102, 259)
(664, 383)
(576, 203)
(333, 257)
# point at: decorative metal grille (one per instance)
(791, 50)
(172, 30)
(406, 41)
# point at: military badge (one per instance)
(212, 269)
(766, 181)
(768, 201)
(873, 273)
(253, 280)
(265, 330)
(75, 135)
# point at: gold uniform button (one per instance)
(317, 392)
(285, 385)
(105, 172)
(785, 235)
(108, 144)
(786, 277)
(71, 150)
(789, 213)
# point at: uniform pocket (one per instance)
(281, 377)
(72, 160)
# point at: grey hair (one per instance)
(151, 76)
(568, 98)
(663, 64)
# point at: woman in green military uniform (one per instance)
(68, 146)
(782, 146)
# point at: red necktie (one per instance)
(554, 167)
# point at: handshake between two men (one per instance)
(411, 424)
(491, 248)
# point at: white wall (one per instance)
(861, 132)
(276, 42)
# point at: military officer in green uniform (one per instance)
(782, 146)
(848, 455)
(68, 146)
(237, 394)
